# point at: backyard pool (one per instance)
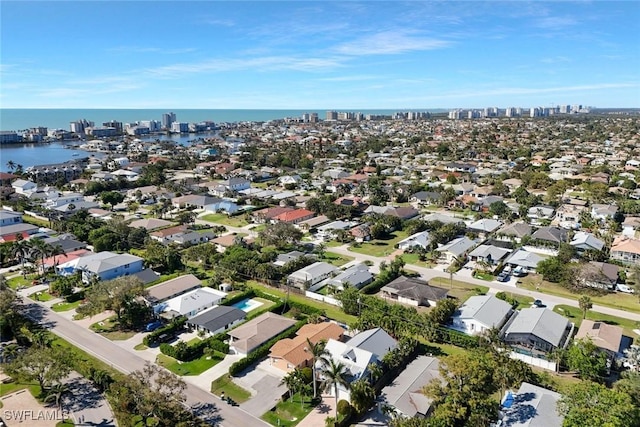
(247, 304)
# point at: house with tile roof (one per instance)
(290, 353)
(626, 250)
(295, 216)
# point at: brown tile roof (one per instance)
(259, 330)
(294, 215)
(603, 335)
(295, 350)
(169, 231)
(270, 213)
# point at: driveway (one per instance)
(316, 417)
(86, 404)
(263, 381)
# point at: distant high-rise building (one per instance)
(79, 126)
(180, 127)
(114, 124)
(332, 115)
(313, 118)
(168, 119)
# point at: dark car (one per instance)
(503, 277)
(153, 326)
(538, 303)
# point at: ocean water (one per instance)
(14, 119)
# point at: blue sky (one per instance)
(327, 55)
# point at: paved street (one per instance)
(203, 402)
(430, 273)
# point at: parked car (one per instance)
(519, 271)
(538, 303)
(153, 326)
(625, 288)
(503, 277)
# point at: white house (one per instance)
(191, 303)
(480, 313)
(24, 187)
(417, 240)
(311, 274)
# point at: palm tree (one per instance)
(56, 393)
(42, 250)
(335, 374)
(11, 165)
(21, 249)
(318, 353)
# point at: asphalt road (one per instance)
(203, 403)
(430, 273)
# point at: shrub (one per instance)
(344, 410)
(77, 296)
(172, 329)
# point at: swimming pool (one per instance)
(247, 305)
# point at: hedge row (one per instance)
(172, 328)
(186, 353)
(444, 335)
(383, 278)
(263, 350)
(250, 293)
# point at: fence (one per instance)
(323, 298)
(529, 359)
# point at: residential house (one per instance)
(539, 213)
(24, 187)
(538, 329)
(9, 217)
(192, 200)
(425, 197)
(268, 214)
(291, 353)
(290, 180)
(460, 167)
(456, 249)
(481, 313)
(404, 394)
(602, 212)
(310, 275)
(295, 216)
(251, 335)
(222, 205)
(583, 241)
(223, 242)
(217, 319)
(630, 225)
(485, 226)
(150, 224)
(172, 288)
(531, 406)
(413, 291)
(103, 266)
(515, 231)
(528, 261)
(421, 240)
(56, 260)
(550, 235)
(568, 216)
(361, 233)
(626, 250)
(608, 338)
(329, 230)
(282, 259)
(66, 242)
(190, 303)
(357, 354)
(356, 276)
(600, 275)
(166, 235)
(313, 223)
(489, 254)
(402, 212)
(443, 218)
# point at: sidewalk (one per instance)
(316, 417)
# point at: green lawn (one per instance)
(140, 346)
(65, 306)
(331, 311)
(41, 296)
(108, 329)
(65, 423)
(194, 367)
(575, 314)
(523, 301)
(613, 299)
(336, 259)
(230, 389)
(414, 258)
(379, 248)
(290, 412)
(35, 221)
(333, 244)
(258, 228)
(484, 276)
(224, 219)
(8, 388)
(18, 281)
(460, 290)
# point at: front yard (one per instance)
(65, 306)
(194, 367)
(336, 259)
(225, 384)
(460, 290)
(108, 328)
(290, 412)
(224, 219)
(379, 248)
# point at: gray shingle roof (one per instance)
(486, 309)
(405, 392)
(533, 406)
(375, 341)
(540, 322)
(217, 317)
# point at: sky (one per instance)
(343, 55)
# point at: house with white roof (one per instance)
(531, 406)
(311, 274)
(356, 354)
(485, 225)
(457, 248)
(190, 303)
(356, 276)
(528, 261)
(417, 240)
(583, 241)
(481, 313)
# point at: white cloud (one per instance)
(390, 43)
(554, 22)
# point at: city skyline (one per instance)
(314, 55)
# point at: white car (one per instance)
(625, 288)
